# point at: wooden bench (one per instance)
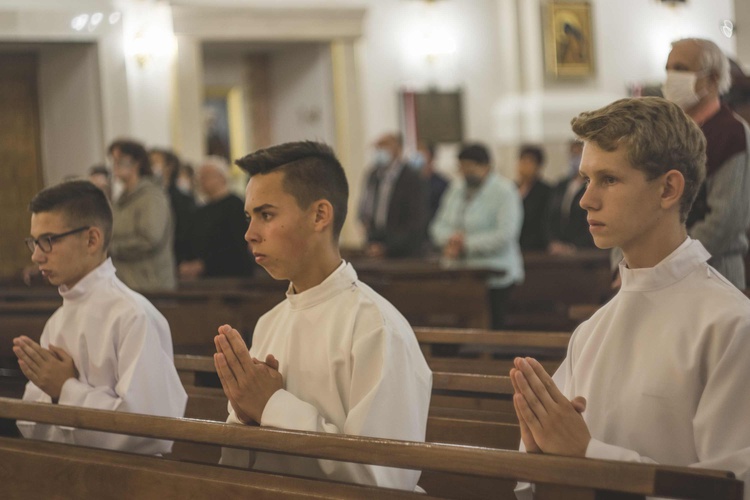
(53, 470)
(449, 390)
(490, 352)
(444, 425)
(594, 479)
(553, 283)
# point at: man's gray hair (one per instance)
(714, 61)
(217, 162)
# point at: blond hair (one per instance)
(657, 135)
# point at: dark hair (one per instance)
(100, 170)
(534, 151)
(136, 151)
(171, 160)
(476, 153)
(311, 172)
(80, 202)
(656, 135)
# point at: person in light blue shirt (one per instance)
(478, 225)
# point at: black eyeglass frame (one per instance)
(45, 242)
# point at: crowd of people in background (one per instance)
(166, 214)
(170, 223)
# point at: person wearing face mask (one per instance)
(697, 74)
(568, 227)
(478, 225)
(166, 167)
(392, 209)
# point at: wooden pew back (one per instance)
(606, 479)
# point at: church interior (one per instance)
(441, 83)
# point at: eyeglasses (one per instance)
(45, 242)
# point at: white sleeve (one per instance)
(147, 383)
(722, 440)
(388, 398)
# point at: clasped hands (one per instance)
(455, 246)
(247, 382)
(550, 422)
(48, 369)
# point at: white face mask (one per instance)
(679, 88)
(117, 189)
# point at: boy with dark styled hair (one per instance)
(105, 347)
(338, 357)
(661, 370)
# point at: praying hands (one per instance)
(550, 423)
(48, 369)
(248, 382)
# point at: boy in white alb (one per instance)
(661, 370)
(106, 347)
(337, 357)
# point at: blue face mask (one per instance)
(417, 161)
(382, 157)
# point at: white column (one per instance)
(188, 137)
(149, 26)
(115, 98)
(349, 130)
(532, 67)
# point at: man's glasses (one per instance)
(45, 242)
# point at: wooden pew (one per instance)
(51, 470)
(592, 479)
(554, 283)
(450, 390)
(444, 425)
(490, 352)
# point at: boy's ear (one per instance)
(323, 213)
(673, 186)
(95, 240)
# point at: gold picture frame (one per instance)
(568, 39)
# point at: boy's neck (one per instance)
(650, 253)
(327, 260)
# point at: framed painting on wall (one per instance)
(224, 128)
(569, 47)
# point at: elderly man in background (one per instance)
(217, 246)
(697, 74)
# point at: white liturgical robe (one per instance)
(664, 368)
(122, 349)
(351, 365)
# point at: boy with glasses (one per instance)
(106, 345)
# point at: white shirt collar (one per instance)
(103, 271)
(343, 278)
(673, 268)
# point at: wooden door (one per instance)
(20, 162)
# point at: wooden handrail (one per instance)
(552, 340)
(641, 479)
(490, 384)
